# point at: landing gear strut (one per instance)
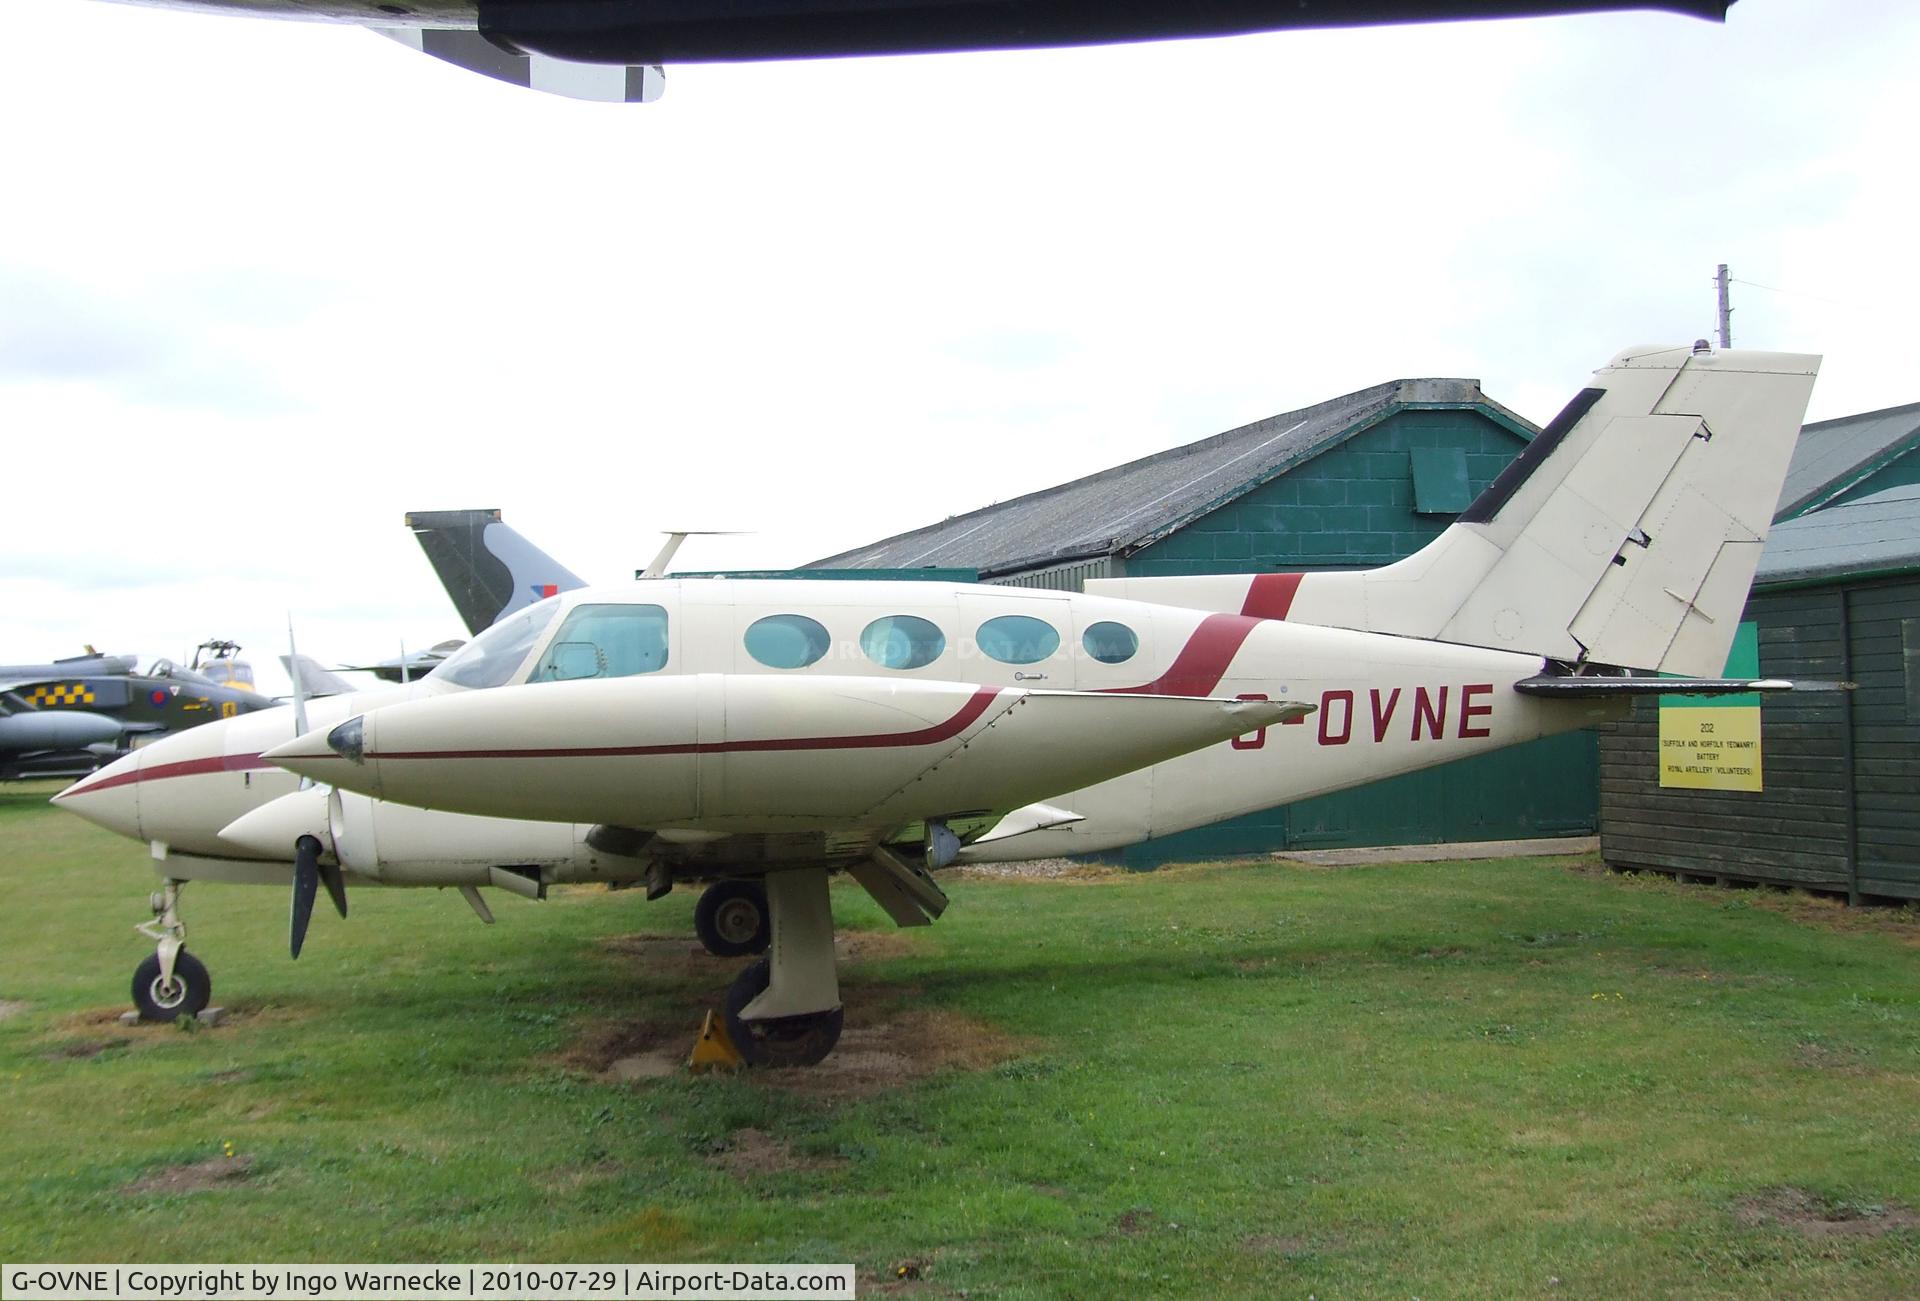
(731, 919)
(785, 1009)
(170, 983)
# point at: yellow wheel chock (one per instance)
(714, 1050)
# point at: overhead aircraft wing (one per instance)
(612, 49)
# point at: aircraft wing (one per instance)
(610, 83)
(612, 49)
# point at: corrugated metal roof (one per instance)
(1143, 500)
(1877, 534)
(1834, 453)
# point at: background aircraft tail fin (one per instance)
(1625, 534)
(488, 569)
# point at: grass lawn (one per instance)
(1509, 1078)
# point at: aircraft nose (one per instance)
(108, 798)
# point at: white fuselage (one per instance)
(1383, 705)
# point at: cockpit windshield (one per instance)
(492, 657)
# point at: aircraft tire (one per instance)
(732, 919)
(785, 1041)
(191, 989)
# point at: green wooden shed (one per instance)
(1836, 599)
(1361, 480)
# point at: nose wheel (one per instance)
(168, 998)
(170, 983)
(732, 919)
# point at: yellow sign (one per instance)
(1708, 748)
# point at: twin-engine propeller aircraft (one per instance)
(765, 734)
(612, 49)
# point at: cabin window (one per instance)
(787, 641)
(1110, 643)
(902, 641)
(606, 641)
(1017, 639)
(496, 654)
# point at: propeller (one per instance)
(308, 871)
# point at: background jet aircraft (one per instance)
(612, 49)
(69, 717)
(780, 730)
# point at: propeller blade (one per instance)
(336, 886)
(306, 883)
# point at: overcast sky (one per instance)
(266, 286)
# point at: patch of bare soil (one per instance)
(887, 1042)
(11, 1007)
(1837, 1059)
(754, 1153)
(890, 1050)
(79, 1049)
(200, 1177)
(1816, 1217)
(1133, 1223)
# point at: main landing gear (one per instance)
(731, 919)
(784, 1010)
(170, 983)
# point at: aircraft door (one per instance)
(1017, 636)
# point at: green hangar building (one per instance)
(1358, 481)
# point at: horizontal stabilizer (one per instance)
(1031, 817)
(607, 83)
(315, 678)
(1576, 687)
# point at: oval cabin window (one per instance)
(1110, 643)
(1017, 639)
(902, 641)
(787, 641)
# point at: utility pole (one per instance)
(1726, 311)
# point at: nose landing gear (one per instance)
(170, 983)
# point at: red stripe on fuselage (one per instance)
(161, 771)
(968, 713)
(1202, 662)
(1271, 595)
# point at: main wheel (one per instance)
(186, 996)
(732, 919)
(783, 1041)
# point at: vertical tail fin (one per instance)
(489, 570)
(1628, 532)
(1625, 534)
